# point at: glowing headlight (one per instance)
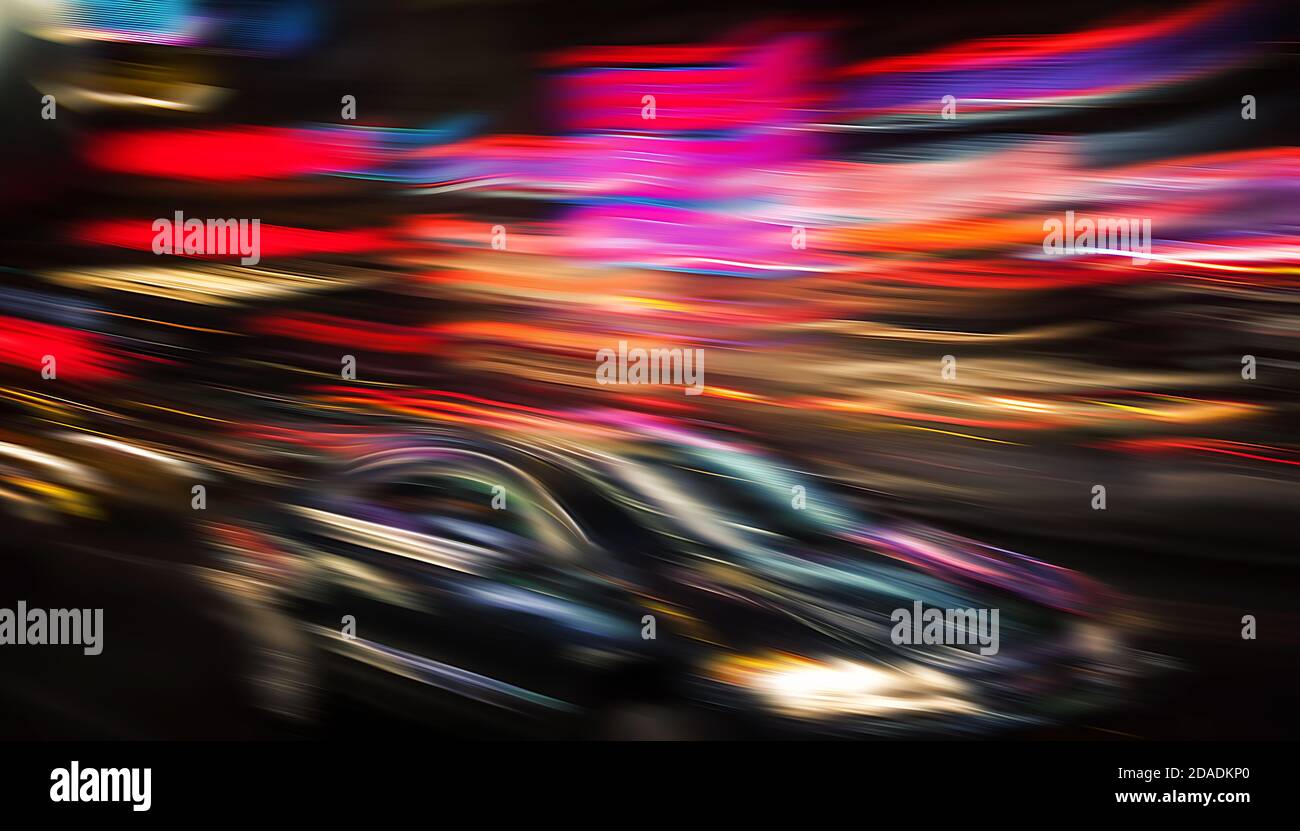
(807, 688)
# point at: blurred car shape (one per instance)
(666, 586)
